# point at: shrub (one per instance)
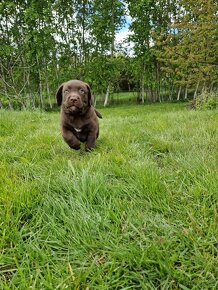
(206, 100)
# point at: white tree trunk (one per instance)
(142, 85)
(203, 87)
(107, 96)
(47, 87)
(40, 83)
(196, 90)
(171, 91)
(179, 93)
(142, 93)
(186, 92)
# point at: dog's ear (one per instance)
(59, 95)
(90, 97)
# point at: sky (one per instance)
(123, 35)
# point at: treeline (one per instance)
(174, 52)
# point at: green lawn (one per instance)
(118, 98)
(139, 212)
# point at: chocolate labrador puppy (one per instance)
(79, 119)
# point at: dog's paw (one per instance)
(87, 149)
(75, 146)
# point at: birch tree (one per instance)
(107, 18)
(193, 47)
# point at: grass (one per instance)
(140, 212)
(119, 98)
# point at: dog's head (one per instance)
(74, 96)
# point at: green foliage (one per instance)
(188, 48)
(206, 101)
(45, 45)
(139, 212)
(42, 45)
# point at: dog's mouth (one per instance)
(72, 108)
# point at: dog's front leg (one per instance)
(70, 139)
(90, 143)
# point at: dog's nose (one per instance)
(73, 98)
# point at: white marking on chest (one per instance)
(77, 130)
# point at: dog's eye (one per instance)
(82, 91)
(66, 91)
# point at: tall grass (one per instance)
(139, 212)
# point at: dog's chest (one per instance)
(78, 130)
(78, 126)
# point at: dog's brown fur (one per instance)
(79, 119)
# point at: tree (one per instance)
(43, 45)
(107, 18)
(191, 46)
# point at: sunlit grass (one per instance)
(139, 212)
